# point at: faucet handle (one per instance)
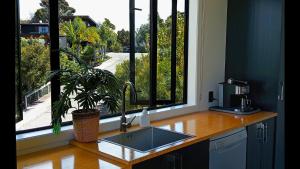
(125, 125)
(129, 124)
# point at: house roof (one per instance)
(35, 24)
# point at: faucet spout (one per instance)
(133, 91)
(124, 124)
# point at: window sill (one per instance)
(45, 139)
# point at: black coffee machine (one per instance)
(234, 97)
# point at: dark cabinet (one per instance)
(260, 145)
(255, 53)
(191, 157)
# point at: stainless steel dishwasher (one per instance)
(228, 151)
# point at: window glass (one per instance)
(180, 40)
(35, 91)
(164, 40)
(101, 37)
(99, 31)
(141, 55)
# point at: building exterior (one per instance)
(41, 30)
(35, 30)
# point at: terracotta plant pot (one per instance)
(86, 125)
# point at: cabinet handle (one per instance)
(178, 161)
(263, 133)
(260, 132)
(180, 156)
(280, 97)
(266, 133)
(171, 158)
(174, 160)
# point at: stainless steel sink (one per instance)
(146, 139)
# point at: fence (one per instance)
(37, 94)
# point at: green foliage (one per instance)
(77, 32)
(100, 60)
(142, 39)
(109, 37)
(116, 47)
(108, 24)
(142, 78)
(90, 87)
(179, 56)
(35, 64)
(67, 62)
(91, 35)
(42, 14)
(88, 54)
(123, 38)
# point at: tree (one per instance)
(142, 39)
(42, 14)
(123, 38)
(108, 37)
(35, 64)
(73, 30)
(108, 24)
(142, 36)
(77, 32)
(67, 63)
(88, 54)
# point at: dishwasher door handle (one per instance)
(225, 148)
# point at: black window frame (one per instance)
(152, 102)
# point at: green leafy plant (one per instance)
(85, 86)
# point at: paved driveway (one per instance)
(116, 58)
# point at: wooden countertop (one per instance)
(65, 157)
(203, 125)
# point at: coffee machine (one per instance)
(234, 97)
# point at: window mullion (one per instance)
(18, 60)
(186, 40)
(54, 49)
(153, 52)
(173, 51)
(132, 44)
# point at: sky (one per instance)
(117, 11)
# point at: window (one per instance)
(43, 30)
(144, 42)
(34, 93)
(159, 73)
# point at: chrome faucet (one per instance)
(123, 124)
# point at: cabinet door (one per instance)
(156, 163)
(254, 139)
(195, 156)
(260, 145)
(268, 144)
(279, 160)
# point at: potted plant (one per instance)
(86, 88)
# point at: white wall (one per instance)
(212, 45)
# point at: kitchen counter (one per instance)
(65, 157)
(203, 125)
